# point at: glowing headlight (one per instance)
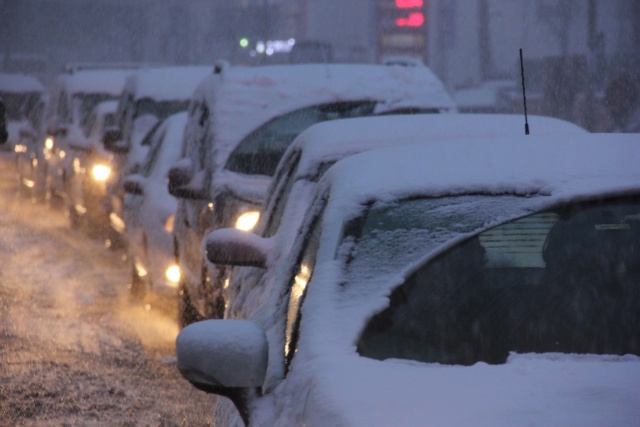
(247, 220)
(168, 224)
(100, 172)
(173, 274)
(48, 143)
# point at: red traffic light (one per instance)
(409, 4)
(415, 19)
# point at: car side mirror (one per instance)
(27, 134)
(229, 246)
(182, 181)
(133, 185)
(55, 129)
(60, 132)
(226, 357)
(112, 141)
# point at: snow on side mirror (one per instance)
(182, 182)
(218, 355)
(230, 246)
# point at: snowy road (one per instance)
(74, 348)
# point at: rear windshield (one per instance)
(565, 280)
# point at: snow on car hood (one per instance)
(243, 98)
(529, 390)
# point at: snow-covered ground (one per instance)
(74, 348)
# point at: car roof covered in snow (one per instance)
(255, 95)
(333, 140)
(20, 83)
(106, 107)
(555, 165)
(167, 83)
(109, 81)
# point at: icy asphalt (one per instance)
(75, 348)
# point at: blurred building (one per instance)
(472, 45)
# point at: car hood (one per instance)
(529, 390)
(247, 187)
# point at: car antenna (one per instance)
(524, 96)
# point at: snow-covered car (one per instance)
(24, 98)
(242, 119)
(149, 96)
(74, 94)
(474, 282)
(320, 146)
(87, 186)
(149, 211)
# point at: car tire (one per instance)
(187, 313)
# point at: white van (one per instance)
(242, 119)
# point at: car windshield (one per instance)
(159, 109)
(563, 280)
(18, 105)
(86, 103)
(260, 152)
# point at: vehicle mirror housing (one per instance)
(133, 185)
(218, 355)
(27, 134)
(182, 182)
(112, 141)
(61, 131)
(55, 129)
(230, 246)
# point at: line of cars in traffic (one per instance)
(403, 265)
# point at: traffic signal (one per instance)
(402, 28)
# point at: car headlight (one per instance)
(168, 223)
(173, 274)
(247, 220)
(100, 172)
(48, 143)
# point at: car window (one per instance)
(301, 276)
(153, 140)
(63, 109)
(203, 140)
(89, 124)
(85, 104)
(283, 182)
(274, 219)
(564, 280)
(108, 120)
(19, 105)
(260, 152)
(159, 109)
